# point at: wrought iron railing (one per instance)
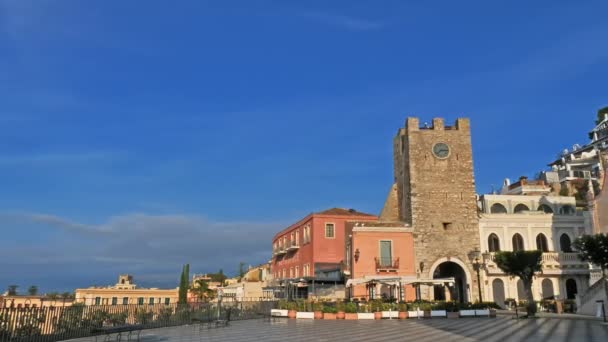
(47, 324)
(387, 263)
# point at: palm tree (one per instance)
(12, 290)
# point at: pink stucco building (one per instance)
(311, 251)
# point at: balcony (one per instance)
(575, 174)
(387, 264)
(552, 263)
(280, 251)
(294, 246)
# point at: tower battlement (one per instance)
(438, 124)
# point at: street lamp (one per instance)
(476, 260)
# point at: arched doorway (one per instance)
(571, 289)
(455, 292)
(498, 291)
(547, 286)
(565, 243)
(521, 291)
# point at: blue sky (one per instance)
(137, 136)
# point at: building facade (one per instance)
(126, 292)
(310, 253)
(532, 222)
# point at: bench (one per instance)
(119, 330)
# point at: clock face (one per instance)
(441, 150)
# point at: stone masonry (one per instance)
(436, 196)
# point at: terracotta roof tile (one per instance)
(343, 212)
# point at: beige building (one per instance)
(126, 292)
(532, 222)
(25, 301)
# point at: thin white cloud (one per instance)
(138, 243)
(343, 21)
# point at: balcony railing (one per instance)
(294, 246)
(549, 258)
(280, 251)
(564, 174)
(387, 263)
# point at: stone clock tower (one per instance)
(434, 192)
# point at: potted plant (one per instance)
(350, 311)
(292, 311)
(452, 310)
(438, 310)
(329, 312)
(426, 310)
(466, 310)
(376, 306)
(389, 310)
(340, 310)
(317, 308)
(402, 307)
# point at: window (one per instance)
(520, 208)
(518, 243)
(114, 300)
(151, 301)
(125, 300)
(541, 243)
(571, 289)
(97, 300)
(493, 243)
(167, 301)
(567, 210)
(297, 270)
(291, 272)
(498, 208)
(565, 244)
(297, 240)
(330, 231)
(140, 301)
(386, 253)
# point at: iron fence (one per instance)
(46, 324)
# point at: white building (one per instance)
(533, 222)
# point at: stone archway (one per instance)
(451, 268)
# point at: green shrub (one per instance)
(330, 309)
(402, 307)
(317, 306)
(350, 308)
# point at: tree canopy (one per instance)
(522, 264)
(594, 249)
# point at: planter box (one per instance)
(278, 313)
(438, 313)
(485, 312)
(365, 315)
(453, 314)
(426, 314)
(467, 313)
(390, 314)
(493, 313)
(318, 314)
(403, 314)
(329, 315)
(340, 315)
(305, 315)
(351, 316)
(414, 314)
(292, 313)
(378, 315)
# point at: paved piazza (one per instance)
(481, 329)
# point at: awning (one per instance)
(404, 280)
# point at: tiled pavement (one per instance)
(472, 329)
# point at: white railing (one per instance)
(553, 258)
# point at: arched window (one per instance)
(571, 289)
(545, 208)
(541, 243)
(518, 243)
(493, 243)
(498, 208)
(565, 244)
(567, 210)
(547, 286)
(520, 208)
